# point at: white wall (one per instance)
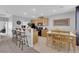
(2, 24)
(70, 15)
(18, 18)
(10, 24)
(4, 21)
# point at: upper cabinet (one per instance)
(46, 21)
(40, 21)
(34, 21)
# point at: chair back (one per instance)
(61, 39)
(13, 32)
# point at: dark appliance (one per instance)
(40, 31)
(3, 30)
(23, 26)
(33, 26)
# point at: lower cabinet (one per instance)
(35, 37)
(44, 33)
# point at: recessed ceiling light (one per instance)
(42, 14)
(61, 6)
(33, 16)
(25, 13)
(54, 10)
(34, 9)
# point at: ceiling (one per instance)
(32, 11)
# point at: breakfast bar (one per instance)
(61, 40)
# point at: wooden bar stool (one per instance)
(73, 43)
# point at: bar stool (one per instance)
(14, 35)
(18, 37)
(23, 40)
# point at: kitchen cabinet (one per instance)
(34, 21)
(45, 21)
(44, 33)
(35, 37)
(40, 20)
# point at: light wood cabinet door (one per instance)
(40, 20)
(35, 37)
(44, 33)
(45, 21)
(33, 21)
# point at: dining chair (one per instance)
(64, 43)
(61, 40)
(73, 43)
(55, 40)
(65, 40)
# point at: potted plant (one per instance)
(30, 24)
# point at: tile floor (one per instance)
(8, 46)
